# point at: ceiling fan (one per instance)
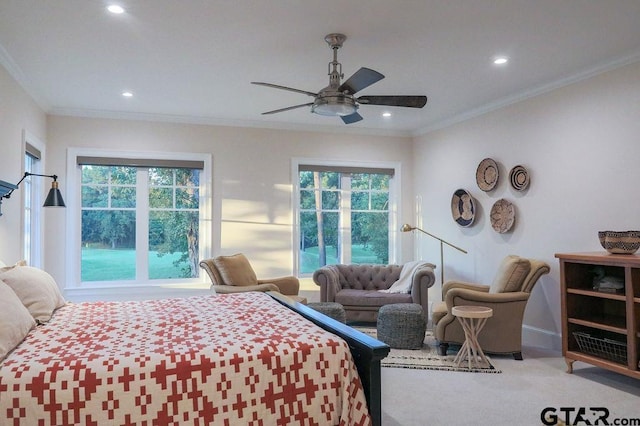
(337, 99)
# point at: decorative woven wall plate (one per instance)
(463, 208)
(487, 174)
(519, 178)
(503, 215)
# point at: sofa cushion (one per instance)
(511, 274)
(235, 270)
(350, 297)
(368, 277)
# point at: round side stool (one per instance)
(330, 309)
(401, 325)
(472, 319)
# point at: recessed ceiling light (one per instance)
(116, 9)
(386, 114)
(127, 94)
(500, 60)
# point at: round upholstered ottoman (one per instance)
(330, 309)
(402, 325)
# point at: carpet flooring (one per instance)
(518, 396)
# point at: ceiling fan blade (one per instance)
(362, 78)
(291, 89)
(400, 101)
(287, 108)
(351, 118)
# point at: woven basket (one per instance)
(402, 325)
(330, 309)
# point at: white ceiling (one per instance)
(193, 60)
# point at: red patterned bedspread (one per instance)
(226, 360)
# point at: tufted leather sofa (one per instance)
(356, 288)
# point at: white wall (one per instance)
(18, 113)
(581, 146)
(252, 183)
(579, 143)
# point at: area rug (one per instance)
(426, 358)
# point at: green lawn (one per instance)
(309, 257)
(113, 265)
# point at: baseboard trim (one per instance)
(538, 337)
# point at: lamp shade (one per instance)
(54, 199)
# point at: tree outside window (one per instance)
(343, 217)
(139, 223)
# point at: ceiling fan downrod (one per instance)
(335, 41)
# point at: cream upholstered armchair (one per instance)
(507, 296)
(234, 274)
(363, 289)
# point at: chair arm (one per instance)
(461, 296)
(463, 285)
(328, 278)
(228, 289)
(287, 285)
(424, 276)
(503, 304)
(423, 279)
(211, 270)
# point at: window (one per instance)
(344, 216)
(140, 220)
(108, 223)
(32, 188)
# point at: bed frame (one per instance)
(367, 352)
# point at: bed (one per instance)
(246, 358)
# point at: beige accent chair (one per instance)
(356, 287)
(234, 274)
(507, 296)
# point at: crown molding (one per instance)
(533, 92)
(210, 121)
(16, 73)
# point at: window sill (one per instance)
(142, 292)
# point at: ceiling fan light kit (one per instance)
(338, 99)
(334, 105)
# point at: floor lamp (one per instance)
(408, 228)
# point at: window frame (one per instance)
(74, 284)
(32, 224)
(395, 202)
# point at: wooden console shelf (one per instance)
(601, 328)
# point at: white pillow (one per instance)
(2, 264)
(36, 289)
(15, 320)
